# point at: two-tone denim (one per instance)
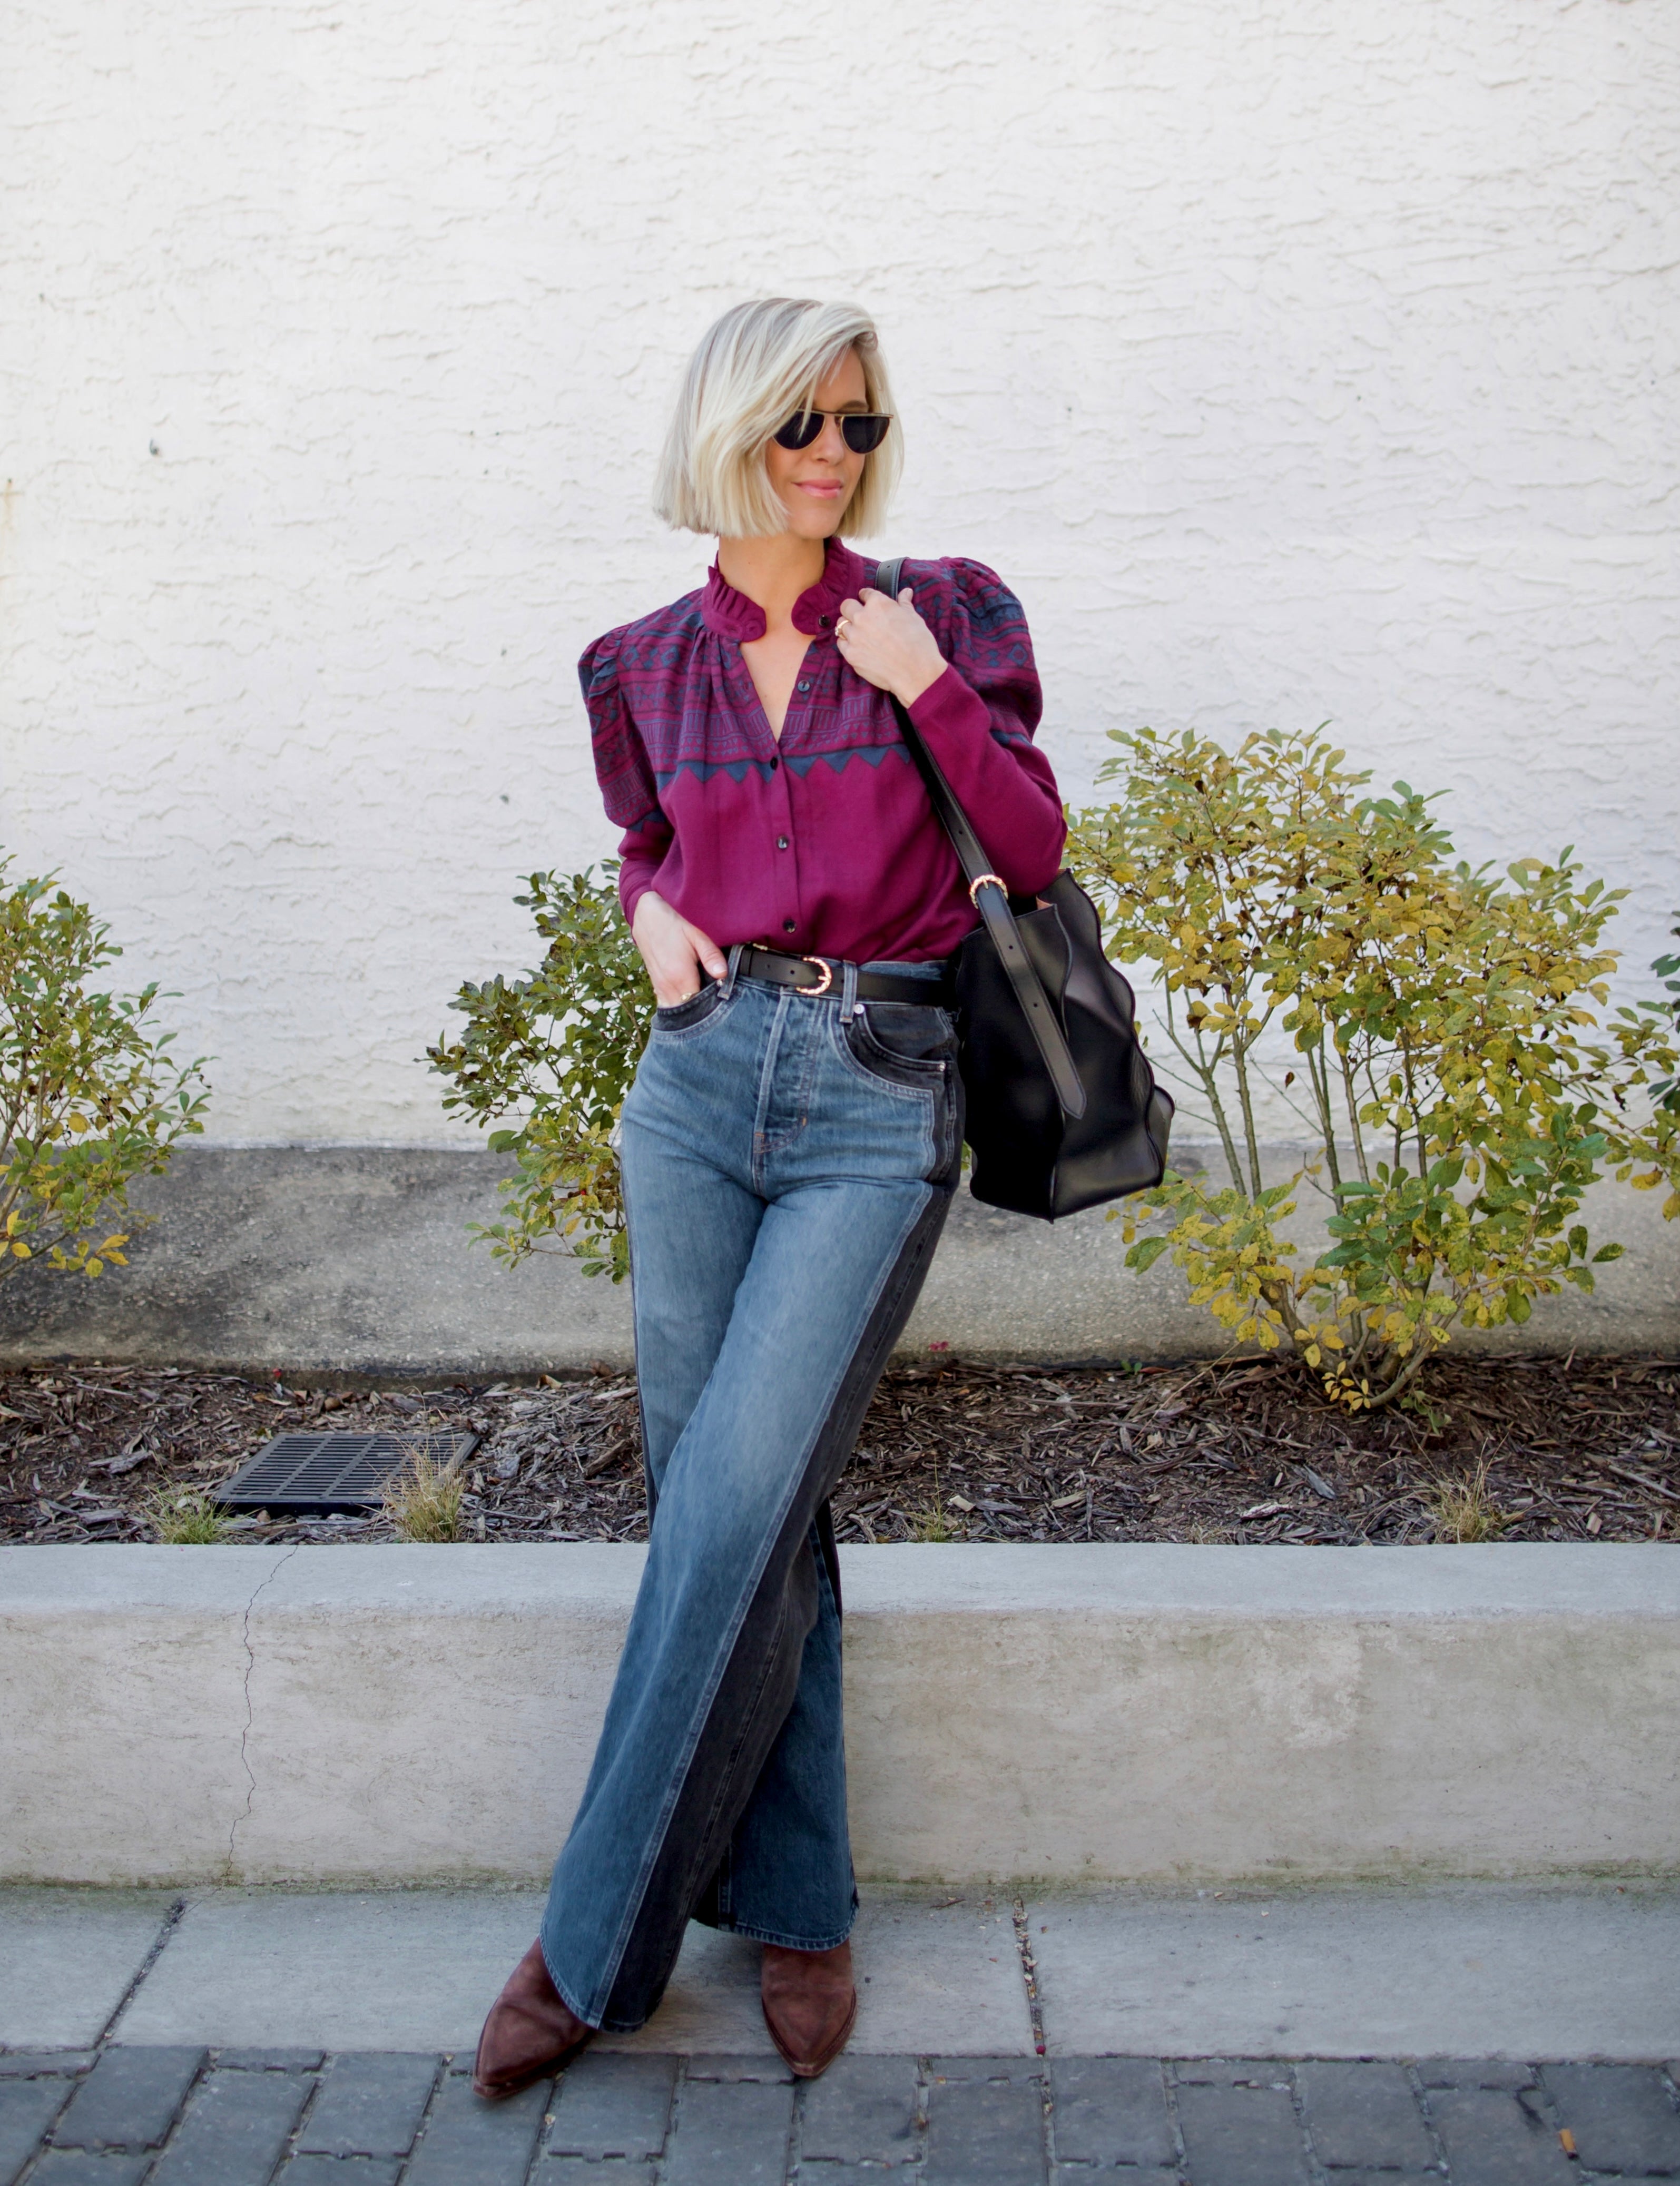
(788, 1162)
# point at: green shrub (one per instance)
(1666, 1090)
(89, 1099)
(1456, 1082)
(558, 1049)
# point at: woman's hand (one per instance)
(889, 644)
(673, 951)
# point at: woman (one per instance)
(790, 1147)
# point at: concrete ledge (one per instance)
(356, 1261)
(1068, 1714)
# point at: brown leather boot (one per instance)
(530, 2032)
(810, 2005)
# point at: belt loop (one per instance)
(850, 1006)
(737, 950)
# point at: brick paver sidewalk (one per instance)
(136, 2115)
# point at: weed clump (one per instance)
(1464, 1510)
(928, 1522)
(184, 1518)
(422, 1498)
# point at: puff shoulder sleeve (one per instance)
(978, 719)
(624, 772)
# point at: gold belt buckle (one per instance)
(827, 980)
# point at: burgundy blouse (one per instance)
(824, 844)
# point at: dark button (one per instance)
(805, 684)
(825, 621)
(774, 764)
(781, 842)
(789, 924)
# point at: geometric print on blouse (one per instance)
(799, 763)
(670, 695)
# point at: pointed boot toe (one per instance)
(530, 2032)
(810, 2005)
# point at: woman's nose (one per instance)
(830, 441)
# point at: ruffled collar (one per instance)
(729, 613)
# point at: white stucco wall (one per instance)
(1295, 360)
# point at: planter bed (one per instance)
(1574, 1450)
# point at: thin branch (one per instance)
(1351, 1098)
(1248, 1133)
(1280, 1092)
(1204, 1071)
(1317, 1071)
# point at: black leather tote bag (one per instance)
(1062, 1108)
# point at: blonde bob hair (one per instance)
(753, 369)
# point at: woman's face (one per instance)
(814, 483)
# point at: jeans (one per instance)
(788, 1161)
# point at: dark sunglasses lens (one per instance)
(863, 435)
(801, 431)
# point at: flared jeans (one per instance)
(788, 1161)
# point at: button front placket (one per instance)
(786, 869)
(796, 729)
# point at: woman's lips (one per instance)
(824, 489)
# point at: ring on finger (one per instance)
(839, 627)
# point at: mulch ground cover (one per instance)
(1564, 1449)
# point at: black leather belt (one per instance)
(824, 975)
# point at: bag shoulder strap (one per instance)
(988, 894)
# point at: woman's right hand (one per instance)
(674, 952)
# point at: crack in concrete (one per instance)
(1028, 1973)
(160, 1941)
(244, 1815)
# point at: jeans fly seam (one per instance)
(767, 1079)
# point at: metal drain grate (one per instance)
(304, 1472)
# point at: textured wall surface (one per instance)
(1294, 360)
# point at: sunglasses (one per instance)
(861, 433)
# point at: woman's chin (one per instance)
(815, 520)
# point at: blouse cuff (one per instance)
(634, 880)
